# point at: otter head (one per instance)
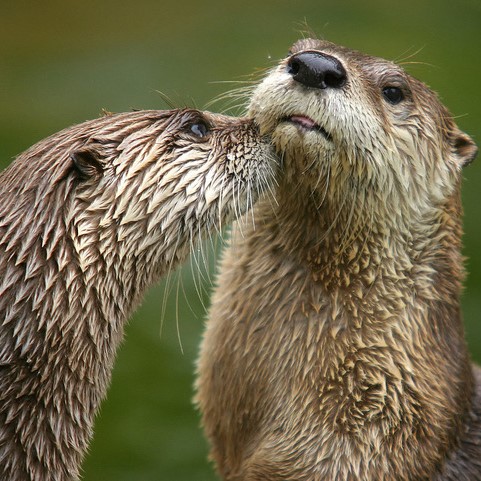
(344, 118)
(151, 183)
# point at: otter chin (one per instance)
(335, 348)
(89, 219)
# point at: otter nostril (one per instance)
(293, 67)
(317, 70)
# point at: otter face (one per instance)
(145, 184)
(339, 113)
(171, 178)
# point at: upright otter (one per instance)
(335, 348)
(89, 219)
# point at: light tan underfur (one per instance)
(334, 348)
(89, 218)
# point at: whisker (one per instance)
(197, 275)
(167, 288)
(177, 324)
(334, 222)
(237, 212)
(175, 104)
(167, 100)
(327, 178)
(407, 54)
(198, 286)
(305, 30)
(270, 188)
(219, 210)
(250, 203)
(239, 96)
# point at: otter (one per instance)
(334, 348)
(89, 219)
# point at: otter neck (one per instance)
(95, 283)
(385, 292)
(361, 239)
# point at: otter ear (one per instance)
(87, 162)
(464, 148)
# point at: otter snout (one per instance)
(317, 70)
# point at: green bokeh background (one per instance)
(61, 62)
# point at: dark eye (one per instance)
(200, 129)
(393, 95)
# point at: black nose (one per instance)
(318, 70)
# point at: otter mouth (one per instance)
(307, 124)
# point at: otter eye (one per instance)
(393, 95)
(200, 129)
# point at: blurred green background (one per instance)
(61, 62)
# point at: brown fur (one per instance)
(89, 218)
(335, 346)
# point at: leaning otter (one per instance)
(335, 348)
(89, 219)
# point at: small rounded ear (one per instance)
(87, 162)
(465, 148)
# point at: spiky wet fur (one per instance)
(89, 218)
(334, 348)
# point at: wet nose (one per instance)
(317, 70)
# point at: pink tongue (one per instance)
(304, 121)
